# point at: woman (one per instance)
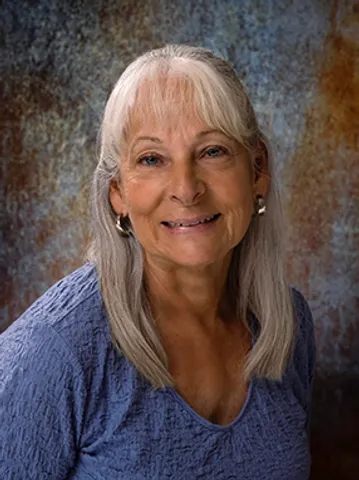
(179, 351)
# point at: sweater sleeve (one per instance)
(42, 394)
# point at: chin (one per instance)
(196, 259)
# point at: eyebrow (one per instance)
(152, 139)
(207, 132)
(158, 140)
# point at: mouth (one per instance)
(192, 222)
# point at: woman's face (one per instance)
(188, 190)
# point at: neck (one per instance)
(187, 295)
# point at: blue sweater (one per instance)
(71, 407)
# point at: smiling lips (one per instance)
(191, 222)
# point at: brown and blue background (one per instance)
(299, 60)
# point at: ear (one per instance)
(261, 171)
(116, 199)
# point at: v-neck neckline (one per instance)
(208, 423)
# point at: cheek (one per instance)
(238, 204)
(141, 196)
(241, 213)
(238, 194)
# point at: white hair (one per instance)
(256, 276)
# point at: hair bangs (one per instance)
(168, 89)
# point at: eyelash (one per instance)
(149, 155)
(222, 150)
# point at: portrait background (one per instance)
(299, 60)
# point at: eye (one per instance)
(215, 151)
(149, 160)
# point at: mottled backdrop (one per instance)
(300, 63)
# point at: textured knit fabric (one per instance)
(71, 407)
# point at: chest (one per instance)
(208, 374)
(146, 434)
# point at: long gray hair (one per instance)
(256, 275)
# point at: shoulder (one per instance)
(70, 314)
(302, 311)
(304, 350)
(75, 292)
(48, 367)
(302, 364)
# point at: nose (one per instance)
(186, 187)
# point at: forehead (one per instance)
(166, 101)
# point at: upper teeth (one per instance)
(172, 224)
